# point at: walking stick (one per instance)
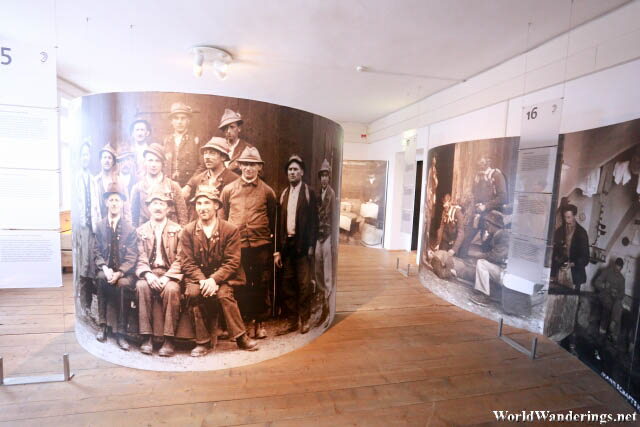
(275, 246)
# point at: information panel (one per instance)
(30, 259)
(28, 138)
(537, 154)
(29, 149)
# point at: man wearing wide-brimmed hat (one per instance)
(325, 244)
(214, 154)
(107, 175)
(115, 255)
(492, 265)
(489, 194)
(295, 245)
(181, 147)
(231, 127)
(210, 260)
(159, 275)
(250, 204)
(155, 180)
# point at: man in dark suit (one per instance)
(297, 235)
(231, 127)
(570, 247)
(115, 254)
(210, 260)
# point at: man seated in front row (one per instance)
(493, 263)
(115, 255)
(159, 274)
(210, 260)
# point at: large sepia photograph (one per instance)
(468, 216)
(205, 229)
(363, 202)
(595, 273)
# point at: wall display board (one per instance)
(595, 275)
(363, 202)
(29, 156)
(469, 211)
(205, 229)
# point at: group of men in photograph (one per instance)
(474, 229)
(181, 228)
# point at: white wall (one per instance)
(603, 87)
(353, 132)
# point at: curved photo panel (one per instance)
(469, 231)
(593, 308)
(205, 229)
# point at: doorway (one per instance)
(416, 207)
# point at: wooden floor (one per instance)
(395, 355)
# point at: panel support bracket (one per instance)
(534, 343)
(66, 375)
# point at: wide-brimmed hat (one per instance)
(109, 149)
(114, 188)
(495, 218)
(159, 195)
(294, 158)
(325, 167)
(218, 144)
(228, 117)
(157, 150)
(209, 192)
(250, 155)
(180, 108)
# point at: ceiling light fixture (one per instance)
(220, 59)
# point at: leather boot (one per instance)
(259, 331)
(167, 349)
(147, 345)
(200, 350)
(122, 343)
(102, 334)
(246, 343)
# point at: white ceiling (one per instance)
(299, 53)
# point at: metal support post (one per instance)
(405, 273)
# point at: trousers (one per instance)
(113, 306)
(254, 298)
(296, 283)
(203, 312)
(324, 268)
(158, 312)
(485, 272)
